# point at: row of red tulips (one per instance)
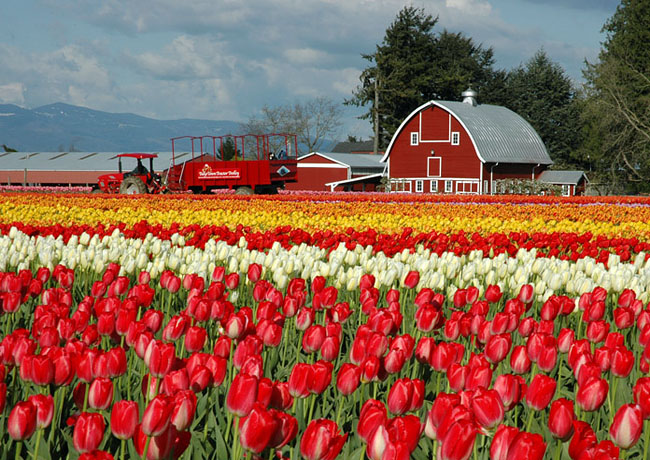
(177, 367)
(565, 246)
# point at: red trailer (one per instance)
(248, 163)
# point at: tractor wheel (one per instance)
(132, 186)
(244, 190)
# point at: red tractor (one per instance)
(249, 163)
(137, 181)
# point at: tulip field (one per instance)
(324, 326)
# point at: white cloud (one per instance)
(12, 93)
(470, 7)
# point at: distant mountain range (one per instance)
(63, 127)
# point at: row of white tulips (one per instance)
(343, 267)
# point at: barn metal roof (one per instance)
(499, 134)
(75, 161)
(561, 177)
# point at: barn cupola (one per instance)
(469, 97)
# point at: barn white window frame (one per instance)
(449, 186)
(433, 186)
(485, 187)
(455, 138)
(415, 137)
(419, 186)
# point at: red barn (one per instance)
(462, 147)
(338, 171)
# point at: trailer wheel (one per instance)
(244, 190)
(133, 186)
(97, 190)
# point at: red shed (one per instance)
(337, 171)
(462, 147)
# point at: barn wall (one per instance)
(314, 175)
(434, 158)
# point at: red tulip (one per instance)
(184, 408)
(519, 360)
(286, 428)
(493, 293)
(256, 429)
(195, 339)
(320, 377)
(622, 362)
(561, 418)
(159, 357)
(242, 394)
(641, 392)
(526, 293)
(100, 393)
(442, 406)
(540, 391)
(592, 394)
(511, 389)
(124, 419)
(597, 331)
(487, 408)
(42, 370)
(321, 440)
(565, 339)
(498, 347)
(159, 446)
(157, 415)
(501, 442)
(313, 338)
(254, 272)
(88, 432)
(405, 395)
(232, 281)
(348, 378)
(372, 416)
(412, 279)
(457, 376)
(527, 446)
(458, 442)
(627, 426)
(22, 421)
(583, 438)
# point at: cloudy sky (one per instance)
(225, 59)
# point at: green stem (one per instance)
(558, 450)
(122, 448)
(146, 448)
(234, 452)
(39, 435)
(86, 397)
(19, 447)
(647, 440)
(530, 419)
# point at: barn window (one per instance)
(414, 138)
(419, 187)
(485, 186)
(449, 186)
(566, 189)
(455, 138)
(434, 186)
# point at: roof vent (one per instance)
(469, 97)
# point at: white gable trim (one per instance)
(418, 110)
(324, 156)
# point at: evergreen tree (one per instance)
(413, 65)
(617, 108)
(544, 96)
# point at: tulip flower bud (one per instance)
(124, 419)
(100, 393)
(22, 421)
(560, 419)
(627, 426)
(157, 415)
(242, 394)
(321, 440)
(540, 392)
(88, 432)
